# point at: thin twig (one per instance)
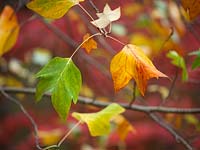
(80, 45)
(12, 99)
(135, 107)
(134, 93)
(173, 83)
(94, 6)
(118, 41)
(86, 12)
(166, 126)
(68, 133)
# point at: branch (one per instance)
(12, 99)
(166, 126)
(98, 103)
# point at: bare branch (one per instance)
(98, 103)
(166, 126)
(12, 99)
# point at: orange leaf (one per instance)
(123, 127)
(9, 29)
(89, 43)
(192, 7)
(131, 62)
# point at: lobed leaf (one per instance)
(90, 44)
(63, 79)
(9, 29)
(99, 122)
(131, 62)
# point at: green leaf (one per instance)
(99, 122)
(52, 9)
(196, 62)
(178, 61)
(63, 79)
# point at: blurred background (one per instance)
(157, 26)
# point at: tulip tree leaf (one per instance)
(63, 79)
(99, 122)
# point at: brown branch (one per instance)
(35, 127)
(166, 126)
(98, 103)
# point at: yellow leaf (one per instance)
(50, 137)
(192, 7)
(89, 44)
(9, 29)
(53, 9)
(123, 126)
(131, 62)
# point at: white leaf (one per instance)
(106, 17)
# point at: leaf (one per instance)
(89, 44)
(192, 7)
(196, 62)
(178, 61)
(9, 29)
(63, 79)
(99, 122)
(108, 16)
(53, 9)
(123, 127)
(131, 62)
(50, 137)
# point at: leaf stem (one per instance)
(97, 34)
(86, 12)
(68, 133)
(114, 39)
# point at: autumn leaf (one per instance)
(9, 29)
(108, 16)
(123, 126)
(131, 62)
(89, 44)
(99, 122)
(53, 9)
(192, 7)
(63, 79)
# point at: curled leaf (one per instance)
(99, 122)
(178, 61)
(131, 62)
(106, 17)
(9, 29)
(89, 44)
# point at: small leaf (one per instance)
(50, 137)
(53, 9)
(192, 7)
(123, 127)
(131, 62)
(106, 17)
(9, 29)
(89, 44)
(178, 61)
(99, 122)
(63, 79)
(196, 62)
